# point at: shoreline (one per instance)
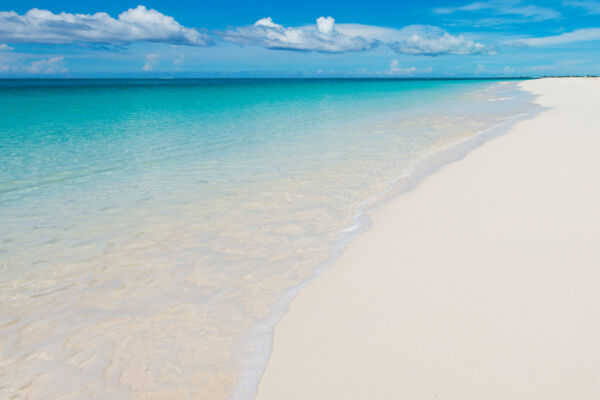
(293, 360)
(423, 168)
(224, 303)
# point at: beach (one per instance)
(479, 283)
(300, 201)
(155, 231)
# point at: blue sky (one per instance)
(308, 38)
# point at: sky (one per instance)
(427, 38)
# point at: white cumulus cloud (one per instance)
(47, 66)
(328, 37)
(5, 47)
(151, 62)
(320, 37)
(434, 41)
(138, 24)
(417, 40)
(396, 69)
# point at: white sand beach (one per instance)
(480, 283)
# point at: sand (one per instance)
(483, 282)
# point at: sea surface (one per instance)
(152, 232)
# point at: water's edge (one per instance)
(258, 351)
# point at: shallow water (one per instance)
(152, 231)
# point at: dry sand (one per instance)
(483, 282)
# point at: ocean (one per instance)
(152, 232)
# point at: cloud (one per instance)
(417, 40)
(435, 42)
(151, 62)
(321, 37)
(179, 59)
(5, 47)
(328, 37)
(507, 8)
(469, 7)
(579, 35)
(138, 24)
(397, 70)
(590, 6)
(47, 66)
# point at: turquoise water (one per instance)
(153, 230)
